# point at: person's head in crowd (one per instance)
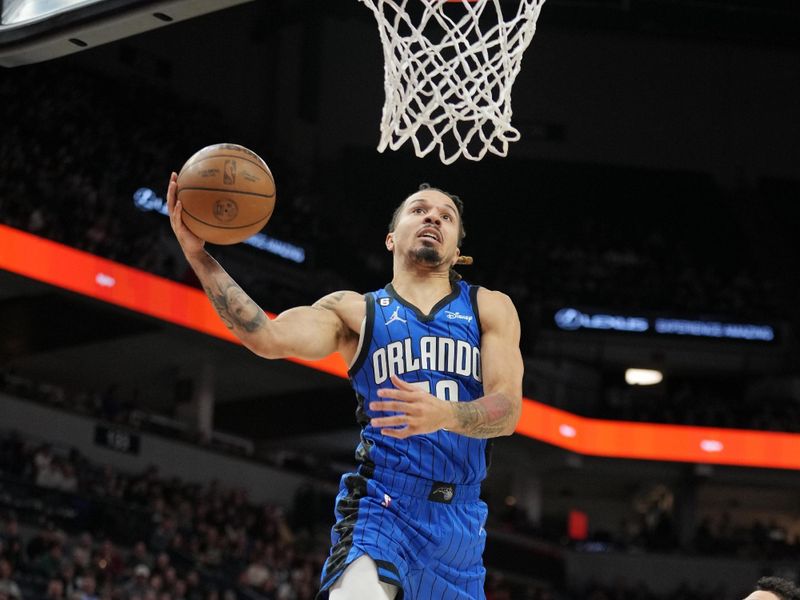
(85, 540)
(11, 527)
(193, 579)
(88, 585)
(179, 590)
(67, 572)
(177, 542)
(107, 548)
(156, 582)
(6, 569)
(170, 577)
(775, 588)
(141, 572)
(55, 589)
(162, 562)
(8, 586)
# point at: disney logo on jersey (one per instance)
(458, 315)
(430, 353)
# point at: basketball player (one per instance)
(437, 370)
(775, 588)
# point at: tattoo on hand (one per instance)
(235, 308)
(485, 418)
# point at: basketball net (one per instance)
(448, 73)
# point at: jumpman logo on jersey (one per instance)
(396, 317)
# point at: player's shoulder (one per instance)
(494, 307)
(494, 300)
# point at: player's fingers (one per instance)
(172, 188)
(390, 421)
(403, 385)
(177, 217)
(396, 394)
(389, 406)
(399, 434)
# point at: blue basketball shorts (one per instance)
(426, 537)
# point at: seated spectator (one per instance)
(87, 588)
(138, 556)
(55, 589)
(138, 585)
(8, 586)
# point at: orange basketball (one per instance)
(227, 193)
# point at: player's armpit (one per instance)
(497, 412)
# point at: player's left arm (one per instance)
(497, 412)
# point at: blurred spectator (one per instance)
(8, 586)
(138, 584)
(55, 589)
(87, 588)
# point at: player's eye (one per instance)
(448, 217)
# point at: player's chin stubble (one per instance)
(427, 255)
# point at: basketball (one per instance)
(227, 193)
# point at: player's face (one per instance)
(762, 596)
(427, 229)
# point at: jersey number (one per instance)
(446, 389)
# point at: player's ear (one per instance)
(390, 242)
(455, 258)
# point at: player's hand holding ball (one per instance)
(224, 194)
(190, 243)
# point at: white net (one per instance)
(449, 69)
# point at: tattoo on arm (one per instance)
(235, 308)
(329, 302)
(486, 417)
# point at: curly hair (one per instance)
(782, 588)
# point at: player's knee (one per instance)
(360, 582)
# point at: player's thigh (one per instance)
(359, 581)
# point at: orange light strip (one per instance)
(649, 441)
(105, 280)
(90, 275)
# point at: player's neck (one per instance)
(422, 288)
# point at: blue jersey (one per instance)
(441, 353)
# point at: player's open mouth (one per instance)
(430, 234)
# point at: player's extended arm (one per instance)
(495, 413)
(309, 332)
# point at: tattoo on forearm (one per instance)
(488, 417)
(235, 308)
